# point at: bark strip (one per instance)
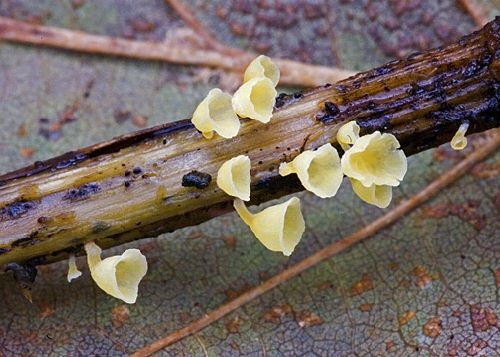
(131, 187)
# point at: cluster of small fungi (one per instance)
(374, 164)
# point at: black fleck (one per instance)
(196, 179)
(137, 170)
(82, 192)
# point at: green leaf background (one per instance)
(428, 285)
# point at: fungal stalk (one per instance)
(279, 227)
(459, 141)
(73, 271)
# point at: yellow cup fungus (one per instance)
(255, 99)
(119, 275)
(233, 177)
(377, 195)
(279, 227)
(319, 171)
(216, 113)
(73, 271)
(348, 134)
(262, 66)
(375, 159)
(459, 141)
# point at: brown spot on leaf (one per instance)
(366, 307)
(482, 319)
(405, 283)
(229, 240)
(119, 315)
(465, 211)
(139, 121)
(476, 347)
(363, 285)
(233, 325)
(486, 171)
(306, 319)
(27, 152)
(445, 152)
(22, 131)
(432, 328)
(276, 313)
(77, 3)
(141, 25)
(121, 116)
(393, 266)
(407, 316)
(423, 277)
(325, 285)
(497, 276)
(46, 310)
(389, 345)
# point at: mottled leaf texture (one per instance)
(428, 285)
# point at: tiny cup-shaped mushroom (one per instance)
(262, 66)
(233, 177)
(348, 134)
(279, 227)
(375, 159)
(319, 171)
(216, 113)
(73, 271)
(255, 99)
(459, 141)
(119, 275)
(376, 195)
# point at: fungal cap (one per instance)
(119, 275)
(319, 171)
(262, 66)
(255, 99)
(348, 134)
(279, 227)
(215, 113)
(233, 177)
(73, 271)
(376, 195)
(459, 141)
(375, 159)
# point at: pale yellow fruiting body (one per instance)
(459, 141)
(215, 113)
(73, 271)
(119, 275)
(279, 227)
(255, 99)
(376, 195)
(262, 66)
(319, 171)
(233, 177)
(375, 159)
(348, 134)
